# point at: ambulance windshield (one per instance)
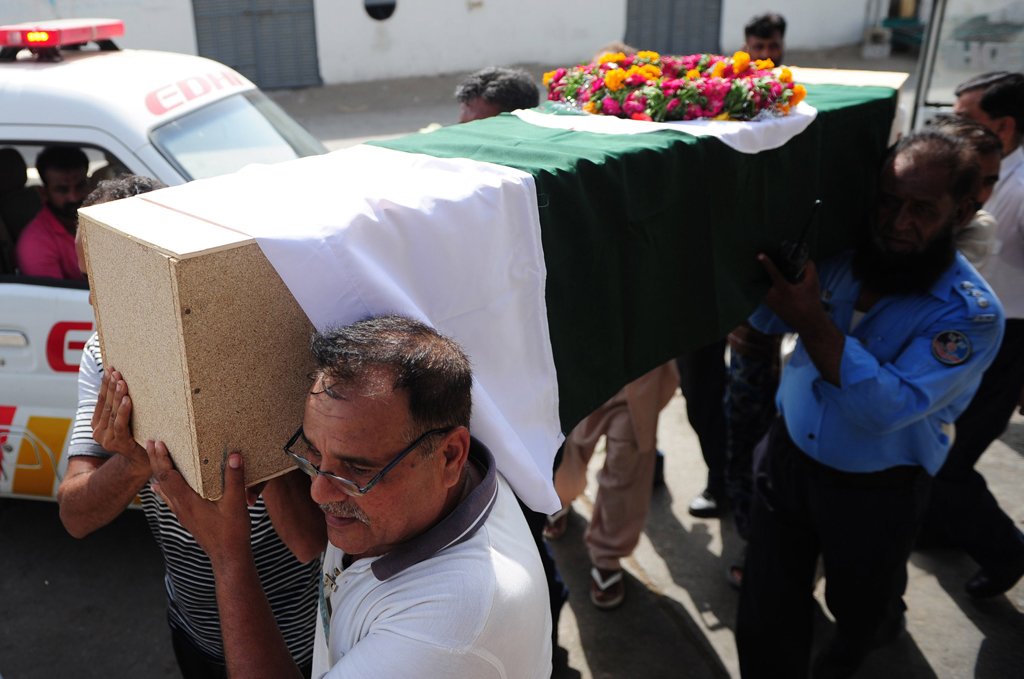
(231, 133)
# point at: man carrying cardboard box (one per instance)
(430, 569)
(107, 469)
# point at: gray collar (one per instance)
(460, 525)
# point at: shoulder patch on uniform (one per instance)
(951, 347)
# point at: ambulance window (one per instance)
(230, 134)
(20, 188)
(102, 163)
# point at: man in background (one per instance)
(765, 37)
(47, 245)
(495, 90)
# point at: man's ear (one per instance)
(456, 452)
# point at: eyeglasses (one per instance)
(350, 487)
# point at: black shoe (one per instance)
(985, 585)
(705, 506)
(659, 469)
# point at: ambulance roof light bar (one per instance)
(45, 38)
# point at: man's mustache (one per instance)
(345, 510)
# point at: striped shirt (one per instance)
(291, 586)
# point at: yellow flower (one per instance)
(721, 116)
(799, 92)
(650, 71)
(648, 55)
(785, 75)
(548, 77)
(764, 64)
(590, 107)
(692, 74)
(611, 56)
(740, 62)
(614, 78)
(718, 69)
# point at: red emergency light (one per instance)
(59, 32)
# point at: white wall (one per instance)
(148, 24)
(810, 24)
(445, 36)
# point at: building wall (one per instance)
(444, 36)
(809, 25)
(149, 24)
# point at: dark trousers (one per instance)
(753, 379)
(195, 663)
(863, 526)
(702, 381)
(962, 512)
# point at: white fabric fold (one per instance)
(743, 136)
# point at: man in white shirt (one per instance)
(961, 502)
(431, 570)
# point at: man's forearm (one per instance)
(253, 645)
(94, 492)
(824, 344)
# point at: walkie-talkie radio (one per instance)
(791, 258)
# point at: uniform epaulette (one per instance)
(979, 302)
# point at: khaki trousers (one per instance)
(629, 420)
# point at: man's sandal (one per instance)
(607, 588)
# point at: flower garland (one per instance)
(649, 86)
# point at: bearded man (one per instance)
(47, 245)
(894, 339)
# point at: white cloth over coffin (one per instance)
(452, 242)
(743, 136)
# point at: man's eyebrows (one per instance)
(349, 459)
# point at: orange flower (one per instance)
(692, 74)
(764, 64)
(611, 56)
(785, 75)
(614, 78)
(590, 107)
(650, 71)
(548, 77)
(740, 62)
(718, 69)
(799, 92)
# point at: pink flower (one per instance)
(634, 104)
(673, 104)
(610, 106)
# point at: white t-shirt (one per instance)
(1004, 269)
(468, 598)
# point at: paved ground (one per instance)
(94, 608)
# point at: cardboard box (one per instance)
(184, 309)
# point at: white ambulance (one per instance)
(171, 116)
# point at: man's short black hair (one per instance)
(952, 153)
(765, 26)
(432, 368)
(61, 158)
(981, 139)
(1003, 95)
(125, 186)
(507, 88)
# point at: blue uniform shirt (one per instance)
(908, 370)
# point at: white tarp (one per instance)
(452, 242)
